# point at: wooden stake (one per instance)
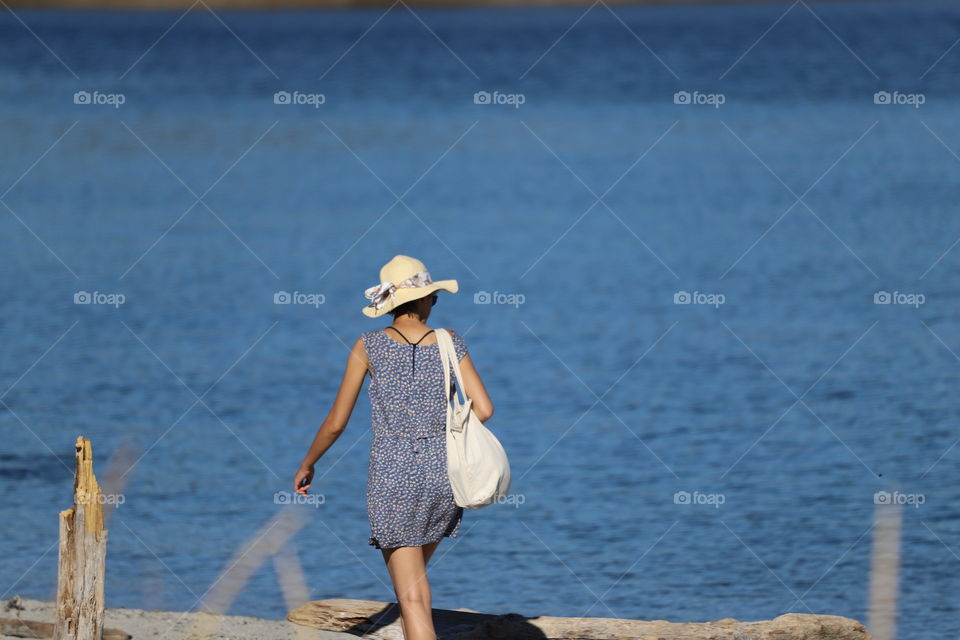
(884, 571)
(83, 552)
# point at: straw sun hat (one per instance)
(401, 280)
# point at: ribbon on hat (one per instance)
(379, 293)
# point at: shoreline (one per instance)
(324, 5)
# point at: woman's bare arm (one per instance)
(474, 389)
(336, 420)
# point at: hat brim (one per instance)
(400, 296)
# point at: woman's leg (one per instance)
(409, 574)
(428, 550)
(403, 627)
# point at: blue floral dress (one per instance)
(409, 499)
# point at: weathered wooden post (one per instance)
(885, 567)
(83, 552)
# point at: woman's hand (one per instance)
(301, 481)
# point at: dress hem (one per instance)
(372, 541)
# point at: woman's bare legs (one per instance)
(408, 570)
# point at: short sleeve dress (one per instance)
(409, 498)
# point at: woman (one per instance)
(410, 503)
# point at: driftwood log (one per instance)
(379, 621)
(83, 551)
(32, 629)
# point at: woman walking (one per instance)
(410, 503)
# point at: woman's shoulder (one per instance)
(459, 344)
(368, 337)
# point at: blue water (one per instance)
(695, 398)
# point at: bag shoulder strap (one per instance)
(448, 356)
(445, 363)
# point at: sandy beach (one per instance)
(174, 625)
(134, 624)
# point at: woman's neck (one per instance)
(409, 321)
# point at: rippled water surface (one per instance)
(593, 204)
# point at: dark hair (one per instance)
(407, 307)
(411, 305)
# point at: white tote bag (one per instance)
(477, 465)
